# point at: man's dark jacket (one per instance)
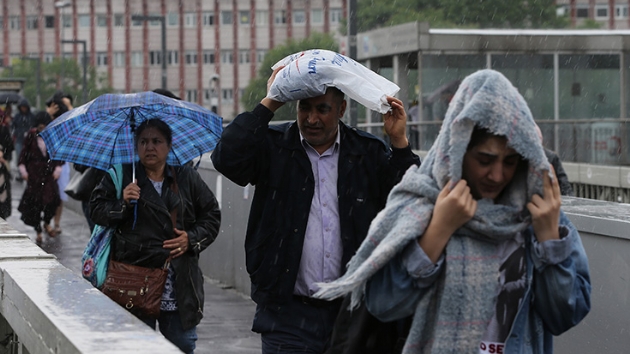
(196, 206)
(273, 159)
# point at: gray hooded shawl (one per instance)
(488, 100)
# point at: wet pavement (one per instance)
(226, 325)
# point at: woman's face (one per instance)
(152, 147)
(489, 167)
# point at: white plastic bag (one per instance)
(309, 73)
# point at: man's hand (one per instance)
(52, 109)
(268, 102)
(395, 123)
(545, 210)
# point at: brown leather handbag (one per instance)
(139, 289)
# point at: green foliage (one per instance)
(257, 88)
(589, 23)
(373, 14)
(50, 74)
(502, 13)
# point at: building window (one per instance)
(243, 17)
(601, 12)
(227, 57)
(84, 20)
(226, 17)
(101, 59)
(243, 57)
(335, 15)
(119, 59)
(208, 57)
(299, 17)
(208, 18)
(31, 22)
(155, 57)
(48, 57)
(136, 59)
(280, 17)
(136, 23)
(173, 57)
(49, 21)
(15, 23)
(190, 57)
(621, 11)
(228, 95)
(317, 16)
(260, 55)
(67, 21)
(262, 17)
(119, 20)
(155, 23)
(172, 19)
(191, 95)
(190, 19)
(101, 20)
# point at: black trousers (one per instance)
(303, 325)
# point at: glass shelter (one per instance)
(575, 81)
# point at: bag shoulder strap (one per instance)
(116, 173)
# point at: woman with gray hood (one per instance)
(473, 242)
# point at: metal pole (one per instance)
(38, 83)
(163, 19)
(85, 59)
(352, 51)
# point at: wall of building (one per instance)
(227, 38)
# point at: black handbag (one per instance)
(81, 185)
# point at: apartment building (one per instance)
(213, 48)
(610, 14)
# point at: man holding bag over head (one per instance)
(318, 185)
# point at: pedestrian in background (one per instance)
(318, 185)
(41, 196)
(22, 123)
(6, 152)
(64, 178)
(474, 243)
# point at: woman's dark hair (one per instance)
(479, 136)
(41, 118)
(157, 124)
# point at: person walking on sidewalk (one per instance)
(22, 123)
(41, 196)
(146, 236)
(318, 184)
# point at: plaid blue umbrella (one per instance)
(100, 133)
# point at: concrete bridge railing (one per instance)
(46, 308)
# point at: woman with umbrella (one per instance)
(146, 236)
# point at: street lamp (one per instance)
(85, 59)
(61, 5)
(162, 19)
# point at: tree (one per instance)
(373, 14)
(257, 88)
(503, 13)
(50, 74)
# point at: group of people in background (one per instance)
(42, 201)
